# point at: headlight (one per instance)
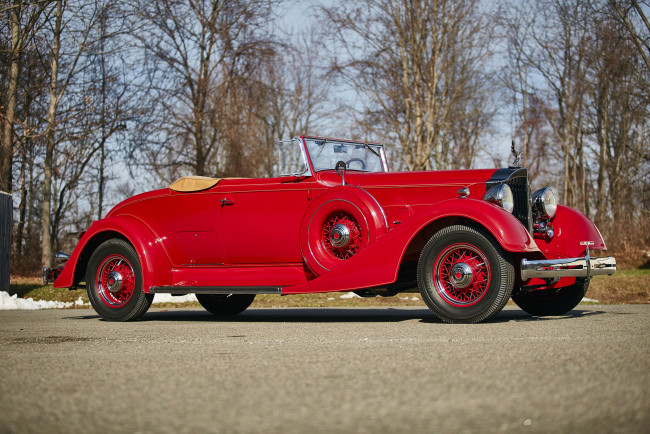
(544, 203)
(501, 195)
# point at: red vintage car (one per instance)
(335, 219)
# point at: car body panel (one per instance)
(257, 233)
(156, 266)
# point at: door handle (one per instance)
(226, 202)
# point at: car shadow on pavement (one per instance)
(319, 315)
(334, 315)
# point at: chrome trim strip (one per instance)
(569, 267)
(181, 290)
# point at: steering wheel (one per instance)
(356, 160)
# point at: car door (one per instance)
(261, 219)
(188, 225)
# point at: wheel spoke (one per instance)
(341, 222)
(115, 281)
(461, 275)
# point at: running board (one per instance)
(182, 290)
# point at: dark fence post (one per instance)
(6, 217)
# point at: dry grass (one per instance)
(625, 287)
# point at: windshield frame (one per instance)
(372, 147)
(304, 154)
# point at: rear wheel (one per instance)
(552, 302)
(114, 282)
(464, 276)
(225, 304)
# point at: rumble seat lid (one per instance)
(193, 183)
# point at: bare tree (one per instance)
(418, 64)
(24, 19)
(291, 96)
(619, 119)
(622, 9)
(200, 53)
(76, 24)
(578, 64)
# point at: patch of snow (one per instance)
(589, 300)
(350, 295)
(12, 302)
(414, 298)
(168, 298)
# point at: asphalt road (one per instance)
(379, 370)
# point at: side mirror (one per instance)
(340, 170)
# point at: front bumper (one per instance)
(585, 266)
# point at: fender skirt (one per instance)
(379, 263)
(156, 267)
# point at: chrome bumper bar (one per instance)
(568, 267)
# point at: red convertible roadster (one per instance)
(335, 219)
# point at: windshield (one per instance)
(363, 157)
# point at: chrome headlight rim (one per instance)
(501, 195)
(544, 203)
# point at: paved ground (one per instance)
(325, 370)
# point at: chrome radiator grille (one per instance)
(523, 208)
(517, 179)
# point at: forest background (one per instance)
(103, 99)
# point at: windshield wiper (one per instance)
(367, 146)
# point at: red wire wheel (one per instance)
(337, 226)
(464, 275)
(115, 281)
(461, 274)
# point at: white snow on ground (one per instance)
(12, 302)
(350, 295)
(168, 298)
(589, 300)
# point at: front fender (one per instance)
(571, 227)
(504, 227)
(156, 266)
(379, 263)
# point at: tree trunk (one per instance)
(6, 148)
(46, 241)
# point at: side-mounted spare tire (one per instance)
(339, 224)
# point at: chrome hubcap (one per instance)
(340, 235)
(461, 275)
(114, 281)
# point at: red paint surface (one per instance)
(256, 232)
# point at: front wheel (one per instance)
(552, 302)
(225, 304)
(114, 282)
(464, 276)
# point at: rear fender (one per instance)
(156, 267)
(379, 263)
